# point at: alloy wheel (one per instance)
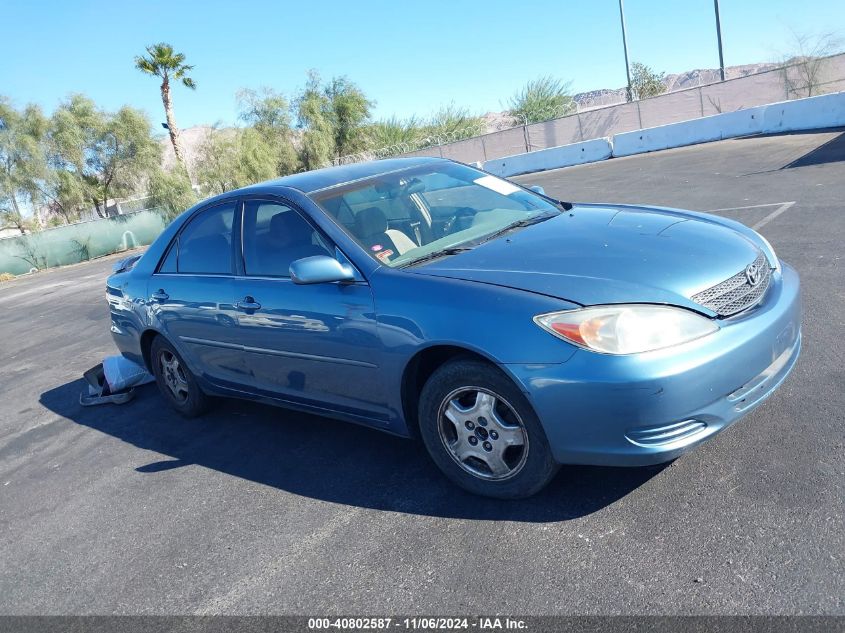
(174, 376)
(483, 433)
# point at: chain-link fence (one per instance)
(509, 136)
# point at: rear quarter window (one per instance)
(168, 264)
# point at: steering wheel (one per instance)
(462, 214)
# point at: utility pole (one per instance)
(625, 46)
(718, 39)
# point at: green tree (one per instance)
(452, 123)
(229, 159)
(66, 194)
(394, 131)
(268, 113)
(257, 158)
(171, 191)
(59, 209)
(395, 134)
(264, 109)
(541, 99)
(105, 155)
(448, 124)
(312, 111)
(349, 111)
(216, 161)
(645, 82)
(335, 116)
(14, 219)
(163, 62)
(23, 161)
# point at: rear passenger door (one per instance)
(191, 295)
(314, 345)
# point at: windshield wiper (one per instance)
(519, 224)
(443, 252)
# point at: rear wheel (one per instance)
(481, 431)
(175, 381)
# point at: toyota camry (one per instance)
(511, 332)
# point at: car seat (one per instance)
(372, 230)
(289, 238)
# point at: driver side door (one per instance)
(314, 345)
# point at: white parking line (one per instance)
(781, 208)
(772, 215)
(750, 206)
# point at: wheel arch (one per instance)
(423, 364)
(146, 342)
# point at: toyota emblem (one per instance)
(752, 274)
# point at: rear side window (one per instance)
(205, 245)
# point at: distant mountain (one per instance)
(679, 81)
(700, 77)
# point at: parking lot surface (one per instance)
(130, 509)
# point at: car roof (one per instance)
(310, 181)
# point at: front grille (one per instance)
(736, 293)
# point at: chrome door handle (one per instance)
(159, 295)
(248, 304)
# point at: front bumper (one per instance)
(650, 408)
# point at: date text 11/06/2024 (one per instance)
(416, 623)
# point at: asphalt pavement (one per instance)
(254, 510)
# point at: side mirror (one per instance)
(320, 269)
(538, 189)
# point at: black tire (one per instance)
(190, 401)
(462, 387)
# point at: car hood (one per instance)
(599, 254)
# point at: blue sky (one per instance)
(409, 56)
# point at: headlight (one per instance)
(626, 329)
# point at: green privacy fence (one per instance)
(79, 242)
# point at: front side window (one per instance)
(205, 244)
(275, 236)
(414, 214)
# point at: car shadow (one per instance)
(329, 460)
(831, 152)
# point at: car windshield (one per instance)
(414, 215)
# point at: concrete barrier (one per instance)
(824, 111)
(805, 114)
(801, 114)
(703, 130)
(551, 158)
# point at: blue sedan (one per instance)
(510, 331)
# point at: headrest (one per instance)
(289, 226)
(370, 221)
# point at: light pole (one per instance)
(719, 40)
(625, 46)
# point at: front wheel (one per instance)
(482, 433)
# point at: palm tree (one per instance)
(163, 62)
